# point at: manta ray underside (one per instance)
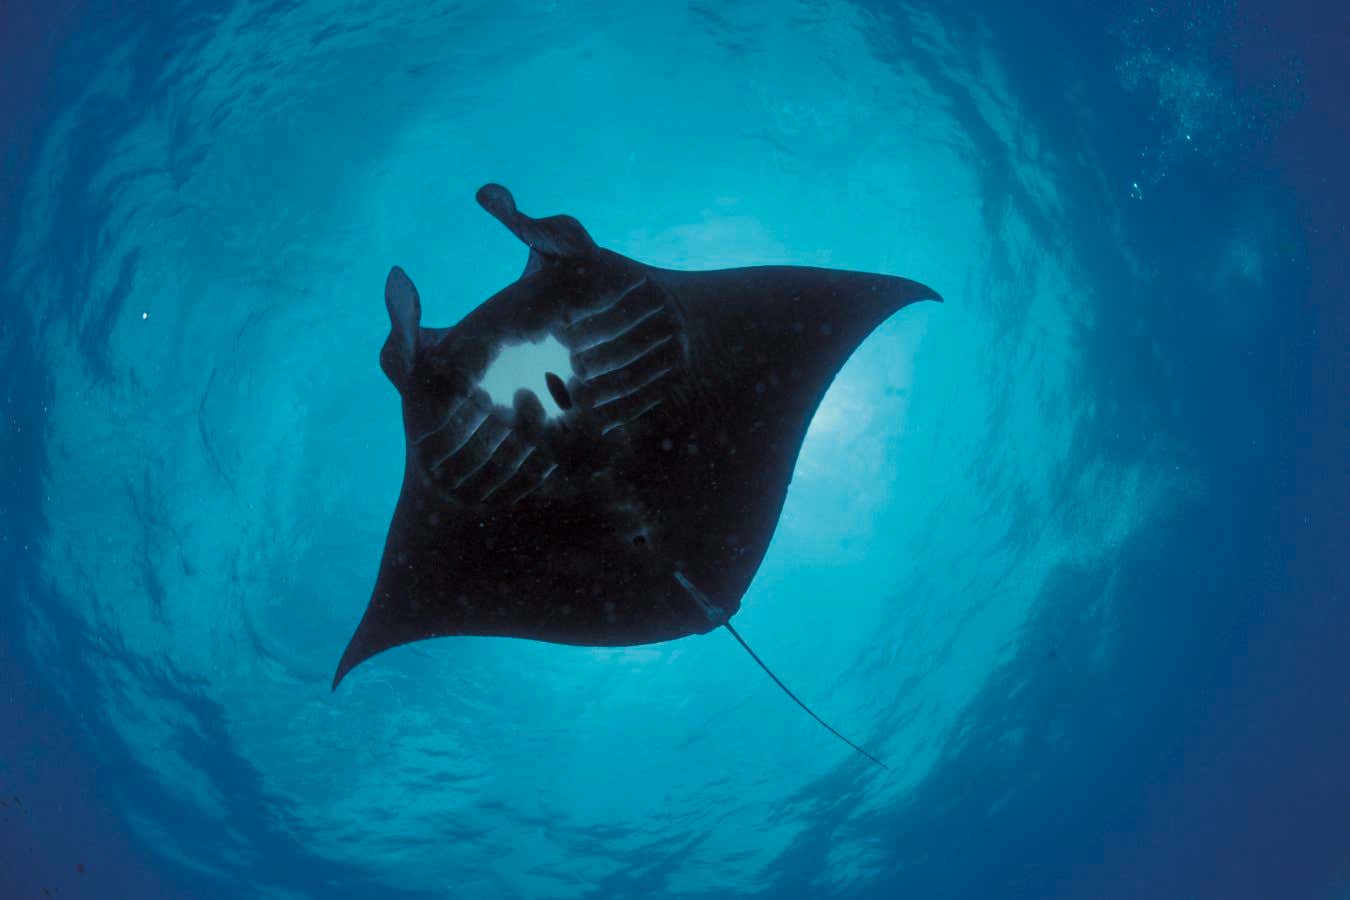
(639, 512)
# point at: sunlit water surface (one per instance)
(977, 573)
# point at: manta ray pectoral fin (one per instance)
(405, 312)
(555, 237)
(913, 291)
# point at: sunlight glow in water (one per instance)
(271, 274)
(215, 489)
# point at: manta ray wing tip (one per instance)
(919, 291)
(341, 673)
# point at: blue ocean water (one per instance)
(1066, 551)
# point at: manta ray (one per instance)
(639, 508)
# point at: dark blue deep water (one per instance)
(1067, 550)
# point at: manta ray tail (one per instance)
(795, 699)
(718, 616)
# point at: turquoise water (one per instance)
(1060, 550)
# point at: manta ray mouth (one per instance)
(529, 366)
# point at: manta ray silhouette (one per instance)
(642, 510)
